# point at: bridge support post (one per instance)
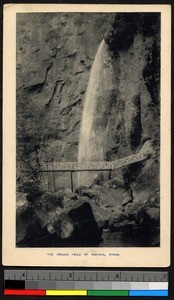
(110, 174)
(72, 188)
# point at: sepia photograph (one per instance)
(88, 130)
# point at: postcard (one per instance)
(86, 135)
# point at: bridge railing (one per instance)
(89, 166)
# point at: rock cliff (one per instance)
(55, 53)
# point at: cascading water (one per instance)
(94, 117)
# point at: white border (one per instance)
(127, 257)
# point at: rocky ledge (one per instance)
(85, 217)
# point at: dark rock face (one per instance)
(83, 225)
(60, 49)
(27, 223)
(74, 226)
(55, 53)
(122, 35)
(127, 25)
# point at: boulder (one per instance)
(101, 215)
(114, 197)
(73, 196)
(83, 198)
(116, 182)
(28, 226)
(67, 229)
(145, 186)
(82, 217)
(21, 198)
(115, 220)
(88, 192)
(153, 214)
(49, 201)
(132, 209)
(154, 201)
(77, 225)
(80, 189)
(127, 224)
(99, 178)
(69, 199)
(148, 149)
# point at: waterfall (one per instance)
(91, 142)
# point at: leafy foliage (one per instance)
(33, 190)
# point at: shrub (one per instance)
(33, 190)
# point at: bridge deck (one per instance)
(91, 166)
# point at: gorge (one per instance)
(88, 89)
